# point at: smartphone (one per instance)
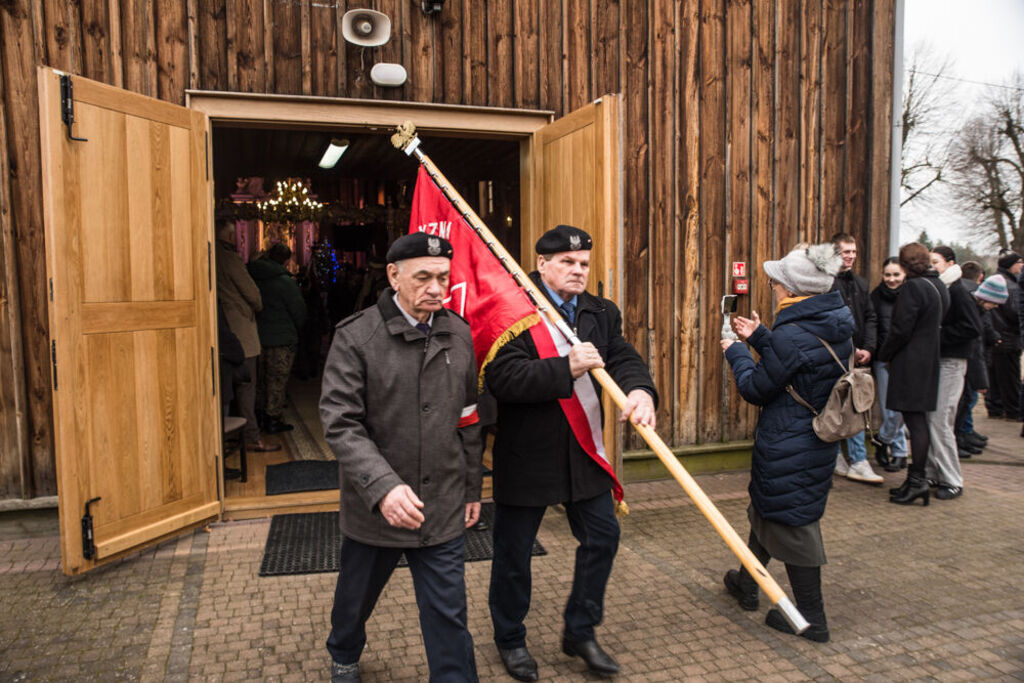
(729, 302)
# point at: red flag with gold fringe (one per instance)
(480, 290)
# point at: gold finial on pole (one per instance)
(406, 134)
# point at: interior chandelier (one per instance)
(290, 203)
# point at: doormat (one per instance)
(302, 475)
(310, 543)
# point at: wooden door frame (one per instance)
(382, 116)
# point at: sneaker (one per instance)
(949, 492)
(841, 467)
(861, 471)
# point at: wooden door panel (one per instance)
(128, 235)
(576, 180)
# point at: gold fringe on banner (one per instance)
(514, 330)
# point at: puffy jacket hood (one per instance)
(824, 315)
(264, 269)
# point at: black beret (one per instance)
(1008, 260)
(563, 238)
(418, 244)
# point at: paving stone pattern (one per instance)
(911, 593)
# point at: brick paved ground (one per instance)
(911, 593)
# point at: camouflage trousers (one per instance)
(275, 366)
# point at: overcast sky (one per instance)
(985, 41)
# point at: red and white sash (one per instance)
(583, 408)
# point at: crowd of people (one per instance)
(399, 405)
(935, 333)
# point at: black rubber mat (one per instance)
(302, 475)
(309, 543)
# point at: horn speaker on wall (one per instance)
(365, 27)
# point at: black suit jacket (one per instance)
(537, 460)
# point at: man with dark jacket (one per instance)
(961, 328)
(283, 315)
(856, 296)
(968, 440)
(542, 459)
(1003, 396)
(399, 411)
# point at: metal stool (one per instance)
(234, 425)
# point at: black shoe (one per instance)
(949, 492)
(917, 487)
(881, 453)
(901, 489)
(896, 464)
(816, 632)
(232, 473)
(963, 455)
(275, 425)
(345, 673)
(748, 600)
(975, 439)
(597, 660)
(965, 445)
(518, 663)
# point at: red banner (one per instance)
(481, 290)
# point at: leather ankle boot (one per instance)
(917, 487)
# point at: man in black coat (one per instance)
(856, 296)
(1003, 396)
(538, 456)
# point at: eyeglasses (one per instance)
(771, 282)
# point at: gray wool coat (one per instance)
(391, 403)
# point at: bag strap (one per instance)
(800, 399)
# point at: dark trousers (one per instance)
(963, 423)
(805, 581)
(1004, 384)
(439, 581)
(594, 525)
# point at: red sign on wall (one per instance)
(739, 269)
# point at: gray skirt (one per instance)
(799, 545)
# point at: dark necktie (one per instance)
(424, 328)
(570, 311)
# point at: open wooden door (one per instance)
(576, 179)
(128, 248)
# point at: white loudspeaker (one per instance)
(365, 27)
(388, 75)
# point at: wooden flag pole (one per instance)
(406, 140)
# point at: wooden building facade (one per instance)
(746, 126)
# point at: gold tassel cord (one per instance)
(505, 337)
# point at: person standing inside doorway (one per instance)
(283, 315)
(854, 290)
(240, 299)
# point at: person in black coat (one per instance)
(969, 440)
(890, 442)
(961, 328)
(912, 350)
(539, 460)
(791, 468)
(1003, 397)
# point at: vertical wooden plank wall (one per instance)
(748, 125)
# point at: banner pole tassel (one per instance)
(405, 139)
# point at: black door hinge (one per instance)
(53, 356)
(213, 373)
(88, 544)
(67, 106)
(209, 266)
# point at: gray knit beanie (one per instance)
(806, 272)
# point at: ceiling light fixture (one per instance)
(333, 153)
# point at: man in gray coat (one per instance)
(399, 411)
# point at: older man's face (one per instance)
(421, 284)
(566, 272)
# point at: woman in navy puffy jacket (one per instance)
(791, 468)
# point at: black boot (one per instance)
(896, 464)
(901, 489)
(917, 487)
(806, 583)
(741, 585)
(881, 453)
